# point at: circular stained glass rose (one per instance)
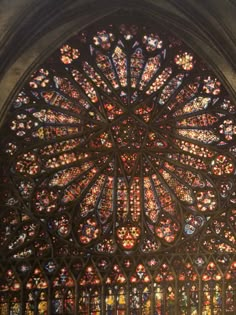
(120, 140)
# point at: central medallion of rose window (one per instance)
(128, 134)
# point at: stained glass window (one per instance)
(118, 180)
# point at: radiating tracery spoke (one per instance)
(121, 141)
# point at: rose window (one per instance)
(119, 140)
